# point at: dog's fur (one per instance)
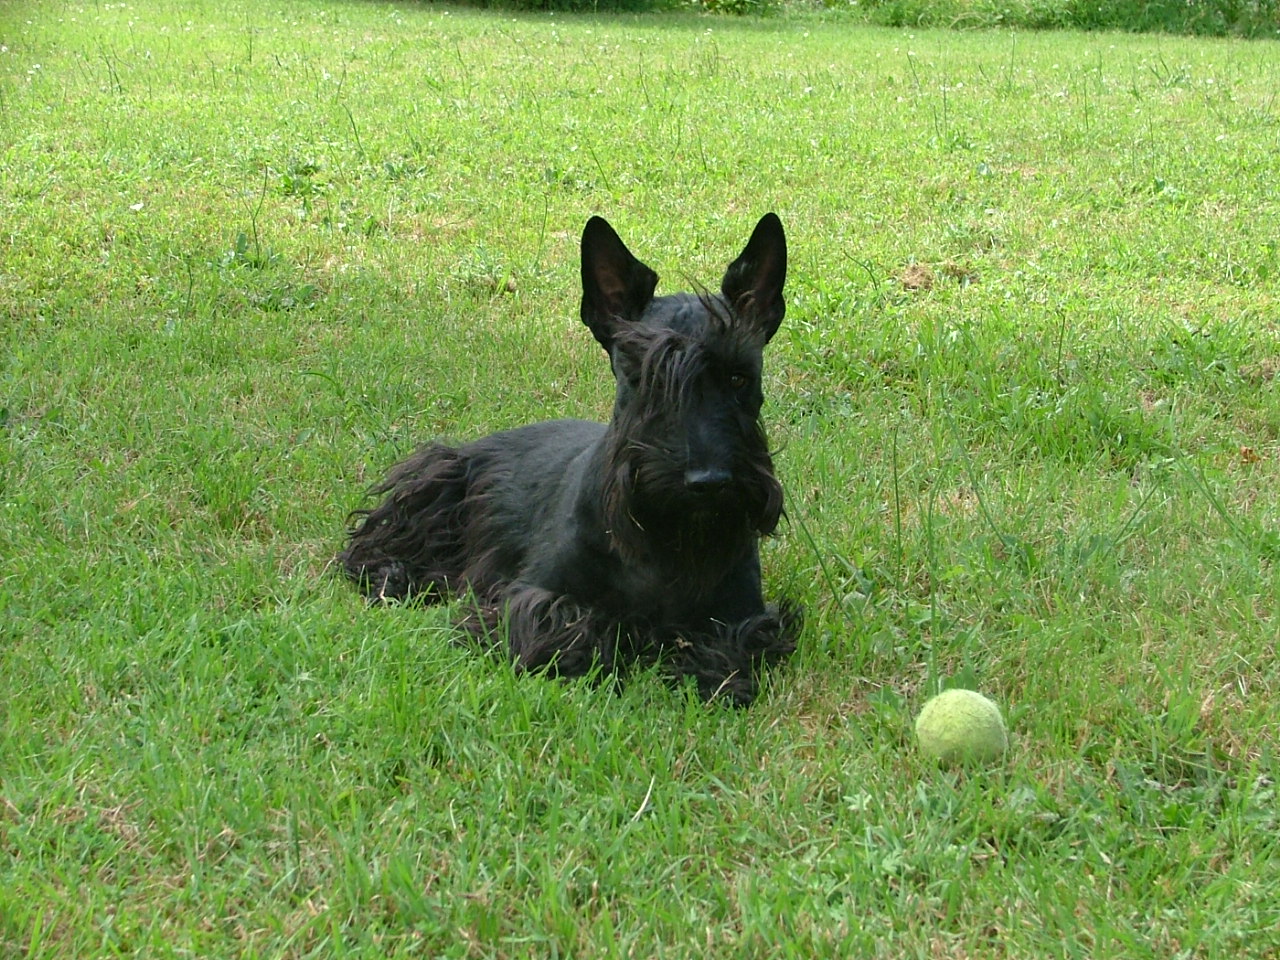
(586, 546)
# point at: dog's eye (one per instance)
(737, 381)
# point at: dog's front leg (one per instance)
(718, 662)
(551, 632)
(726, 661)
(770, 637)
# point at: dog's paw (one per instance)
(739, 689)
(771, 637)
(388, 583)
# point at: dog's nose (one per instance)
(707, 479)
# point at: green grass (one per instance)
(1249, 18)
(1027, 419)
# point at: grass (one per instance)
(1249, 18)
(1025, 404)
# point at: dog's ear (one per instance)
(616, 287)
(753, 282)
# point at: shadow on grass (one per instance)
(1254, 19)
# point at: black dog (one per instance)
(587, 545)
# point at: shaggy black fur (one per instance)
(588, 546)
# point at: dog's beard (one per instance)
(654, 518)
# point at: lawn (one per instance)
(1024, 406)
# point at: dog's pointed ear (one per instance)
(616, 287)
(753, 282)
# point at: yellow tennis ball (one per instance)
(961, 726)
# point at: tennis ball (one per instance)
(961, 726)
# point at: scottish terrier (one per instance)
(585, 547)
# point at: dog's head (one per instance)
(686, 444)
